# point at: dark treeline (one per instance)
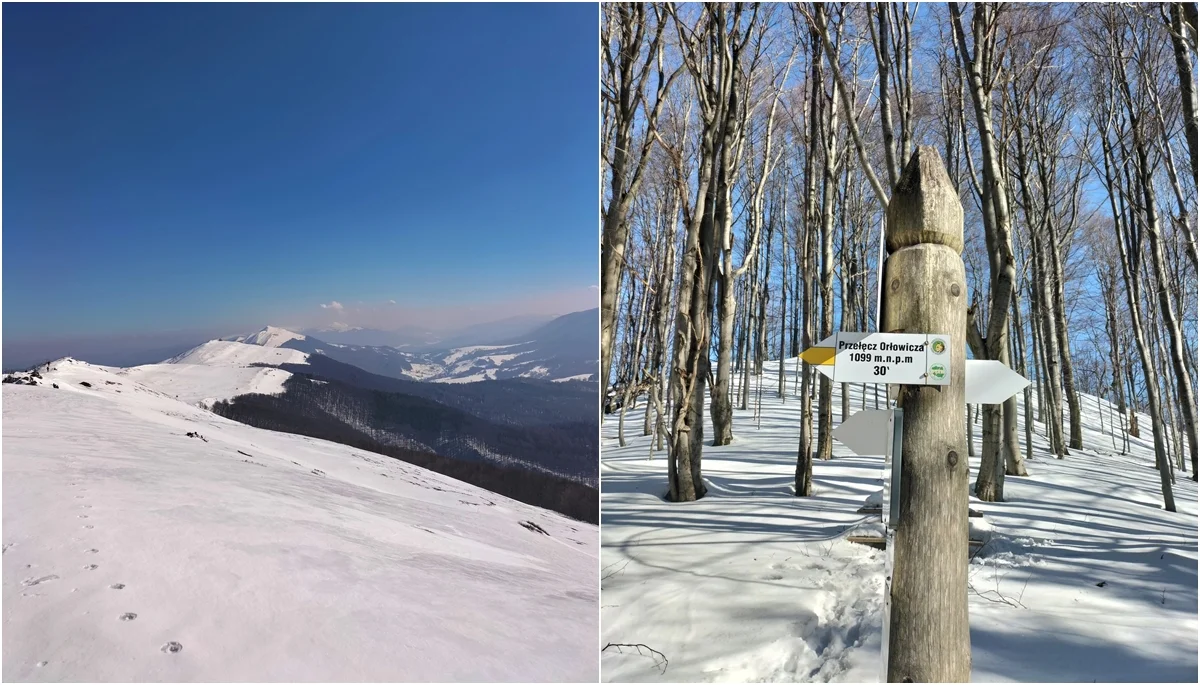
(566, 449)
(515, 401)
(279, 413)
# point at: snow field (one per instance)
(266, 556)
(752, 584)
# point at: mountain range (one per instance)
(562, 349)
(518, 415)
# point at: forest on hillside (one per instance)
(525, 464)
(749, 152)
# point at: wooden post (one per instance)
(929, 640)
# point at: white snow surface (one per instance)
(420, 372)
(752, 584)
(580, 377)
(499, 359)
(204, 383)
(536, 372)
(227, 353)
(459, 352)
(271, 336)
(473, 378)
(217, 370)
(266, 556)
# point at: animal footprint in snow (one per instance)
(171, 647)
(92, 550)
(86, 506)
(83, 516)
(318, 472)
(30, 582)
(117, 586)
(128, 616)
(90, 567)
(7, 546)
(773, 576)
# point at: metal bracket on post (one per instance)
(891, 516)
(897, 444)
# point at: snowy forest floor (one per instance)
(752, 584)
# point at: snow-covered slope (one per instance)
(227, 353)
(1085, 576)
(263, 556)
(204, 384)
(217, 370)
(272, 337)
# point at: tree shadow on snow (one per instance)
(1059, 655)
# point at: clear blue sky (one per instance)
(170, 166)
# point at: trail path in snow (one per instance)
(752, 584)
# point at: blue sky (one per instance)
(171, 167)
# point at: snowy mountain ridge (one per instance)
(563, 349)
(148, 539)
(514, 425)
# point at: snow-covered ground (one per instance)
(134, 552)
(217, 370)
(227, 353)
(752, 584)
(580, 377)
(272, 336)
(460, 352)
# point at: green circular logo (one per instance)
(938, 371)
(939, 346)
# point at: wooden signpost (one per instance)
(922, 288)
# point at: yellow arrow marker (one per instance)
(819, 356)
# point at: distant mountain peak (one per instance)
(338, 327)
(271, 336)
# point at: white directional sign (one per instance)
(991, 382)
(878, 432)
(867, 432)
(909, 359)
(898, 358)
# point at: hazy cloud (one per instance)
(417, 312)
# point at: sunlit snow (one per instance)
(263, 555)
(1085, 576)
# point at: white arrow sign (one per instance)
(987, 381)
(991, 382)
(866, 433)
